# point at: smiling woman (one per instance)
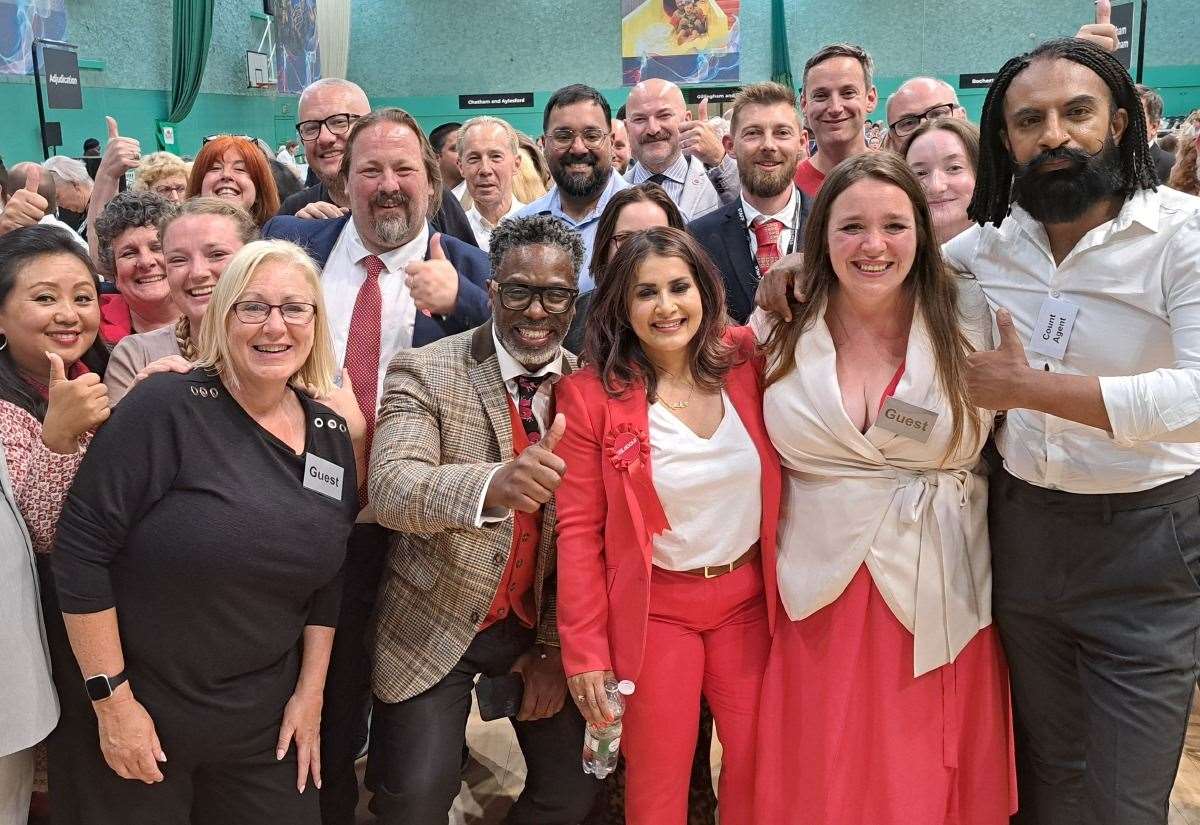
(234, 169)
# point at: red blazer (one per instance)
(604, 547)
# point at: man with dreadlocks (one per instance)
(1095, 517)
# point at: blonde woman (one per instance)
(197, 563)
(1184, 174)
(533, 177)
(198, 243)
(164, 174)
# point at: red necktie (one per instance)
(362, 351)
(766, 232)
(527, 387)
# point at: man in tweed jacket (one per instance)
(463, 470)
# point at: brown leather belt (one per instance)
(714, 571)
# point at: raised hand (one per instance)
(433, 284)
(995, 378)
(528, 481)
(75, 406)
(26, 207)
(120, 155)
(698, 138)
(1103, 33)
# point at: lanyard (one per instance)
(794, 228)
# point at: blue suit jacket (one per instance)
(318, 237)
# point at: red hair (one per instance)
(266, 199)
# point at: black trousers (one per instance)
(422, 741)
(1098, 606)
(347, 705)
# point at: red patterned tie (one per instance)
(527, 387)
(766, 232)
(362, 351)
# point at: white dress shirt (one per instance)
(344, 273)
(1136, 282)
(483, 228)
(510, 370)
(694, 478)
(915, 516)
(788, 216)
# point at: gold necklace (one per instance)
(678, 405)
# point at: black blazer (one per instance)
(318, 238)
(1163, 161)
(727, 241)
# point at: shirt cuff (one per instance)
(1148, 407)
(492, 515)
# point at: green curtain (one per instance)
(190, 38)
(781, 62)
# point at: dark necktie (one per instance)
(657, 177)
(527, 387)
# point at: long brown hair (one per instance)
(931, 285)
(607, 226)
(266, 197)
(610, 342)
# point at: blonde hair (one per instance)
(157, 166)
(530, 182)
(318, 368)
(1185, 176)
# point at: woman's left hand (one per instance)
(302, 722)
(343, 402)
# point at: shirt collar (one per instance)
(511, 368)
(1142, 208)
(477, 217)
(784, 216)
(394, 260)
(676, 172)
(554, 204)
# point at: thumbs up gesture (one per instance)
(76, 406)
(699, 139)
(1103, 33)
(433, 283)
(26, 207)
(528, 481)
(995, 379)
(120, 155)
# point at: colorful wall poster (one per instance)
(685, 41)
(297, 52)
(23, 20)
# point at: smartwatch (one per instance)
(102, 685)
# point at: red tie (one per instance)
(766, 232)
(362, 351)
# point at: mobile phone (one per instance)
(499, 696)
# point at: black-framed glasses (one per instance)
(554, 299)
(257, 312)
(908, 124)
(207, 138)
(337, 124)
(565, 138)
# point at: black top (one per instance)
(450, 219)
(197, 525)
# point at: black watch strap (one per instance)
(102, 685)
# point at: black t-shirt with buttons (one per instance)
(216, 543)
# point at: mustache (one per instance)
(390, 200)
(587, 157)
(1077, 158)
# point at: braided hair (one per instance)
(993, 181)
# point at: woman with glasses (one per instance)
(164, 174)
(198, 243)
(233, 168)
(666, 519)
(197, 561)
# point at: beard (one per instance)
(582, 184)
(394, 230)
(534, 358)
(1064, 195)
(762, 184)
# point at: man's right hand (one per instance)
(26, 207)
(528, 481)
(1103, 33)
(784, 278)
(320, 210)
(120, 155)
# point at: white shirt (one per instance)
(693, 477)
(1136, 281)
(483, 228)
(345, 273)
(786, 216)
(459, 190)
(52, 220)
(510, 370)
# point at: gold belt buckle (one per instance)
(721, 569)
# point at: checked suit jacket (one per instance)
(444, 425)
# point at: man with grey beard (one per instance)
(745, 237)
(390, 283)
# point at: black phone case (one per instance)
(499, 696)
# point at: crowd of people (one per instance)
(878, 451)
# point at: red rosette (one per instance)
(628, 448)
(626, 445)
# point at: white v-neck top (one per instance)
(710, 489)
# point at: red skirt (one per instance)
(847, 736)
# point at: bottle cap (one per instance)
(625, 687)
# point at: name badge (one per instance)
(1053, 328)
(323, 476)
(906, 419)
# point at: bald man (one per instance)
(654, 114)
(917, 100)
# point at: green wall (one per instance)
(420, 54)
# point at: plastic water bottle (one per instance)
(601, 745)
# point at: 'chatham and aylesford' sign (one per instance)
(502, 100)
(62, 78)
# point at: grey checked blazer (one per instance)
(443, 426)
